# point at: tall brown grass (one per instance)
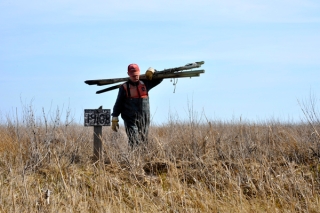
(195, 166)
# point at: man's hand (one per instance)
(115, 124)
(149, 73)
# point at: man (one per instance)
(133, 105)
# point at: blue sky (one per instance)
(261, 57)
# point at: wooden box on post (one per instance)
(97, 118)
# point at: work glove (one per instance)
(115, 124)
(149, 73)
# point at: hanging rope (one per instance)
(175, 81)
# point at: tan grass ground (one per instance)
(186, 167)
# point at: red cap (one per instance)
(133, 69)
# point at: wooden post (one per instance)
(97, 142)
(97, 118)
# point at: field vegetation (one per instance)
(198, 165)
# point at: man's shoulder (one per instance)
(124, 83)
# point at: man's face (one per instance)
(134, 78)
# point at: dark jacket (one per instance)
(132, 108)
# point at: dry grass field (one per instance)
(196, 166)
